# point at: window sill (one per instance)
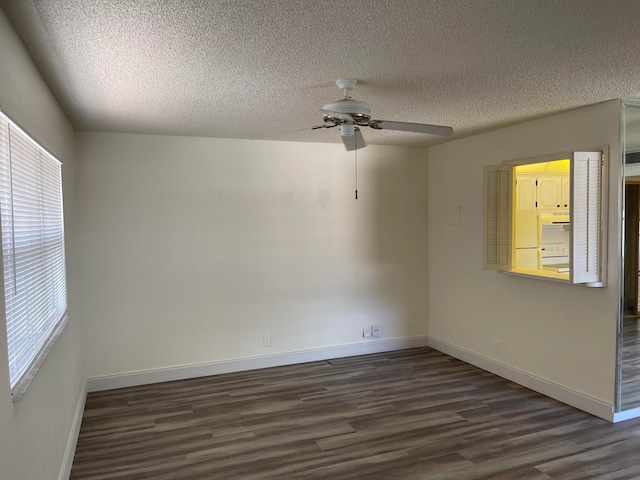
(27, 377)
(544, 274)
(549, 276)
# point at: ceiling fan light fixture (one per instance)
(347, 129)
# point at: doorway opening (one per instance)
(628, 398)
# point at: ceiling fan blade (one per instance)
(411, 127)
(354, 142)
(324, 125)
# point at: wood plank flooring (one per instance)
(630, 361)
(412, 414)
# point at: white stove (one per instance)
(555, 256)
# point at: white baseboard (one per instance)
(626, 415)
(551, 389)
(67, 461)
(182, 372)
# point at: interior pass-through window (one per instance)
(543, 217)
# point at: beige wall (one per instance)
(192, 249)
(35, 431)
(560, 333)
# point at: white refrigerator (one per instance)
(527, 240)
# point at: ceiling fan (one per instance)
(348, 115)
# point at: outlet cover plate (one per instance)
(375, 330)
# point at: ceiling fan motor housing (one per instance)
(360, 112)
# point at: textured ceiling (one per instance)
(263, 69)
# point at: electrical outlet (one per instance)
(375, 330)
(366, 333)
(496, 346)
(266, 340)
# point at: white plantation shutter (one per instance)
(31, 216)
(498, 213)
(586, 172)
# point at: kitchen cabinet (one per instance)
(542, 192)
(526, 192)
(549, 192)
(566, 192)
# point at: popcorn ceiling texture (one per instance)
(263, 69)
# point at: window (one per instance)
(543, 218)
(31, 216)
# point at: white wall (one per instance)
(192, 249)
(41, 422)
(560, 333)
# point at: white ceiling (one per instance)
(262, 69)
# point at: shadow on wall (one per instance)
(400, 233)
(210, 244)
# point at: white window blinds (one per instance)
(31, 216)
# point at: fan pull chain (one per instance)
(356, 163)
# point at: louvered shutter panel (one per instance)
(586, 185)
(498, 216)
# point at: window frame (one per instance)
(508, 228)
(48, 165)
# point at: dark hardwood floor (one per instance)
(412, 414)
(630, 387)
